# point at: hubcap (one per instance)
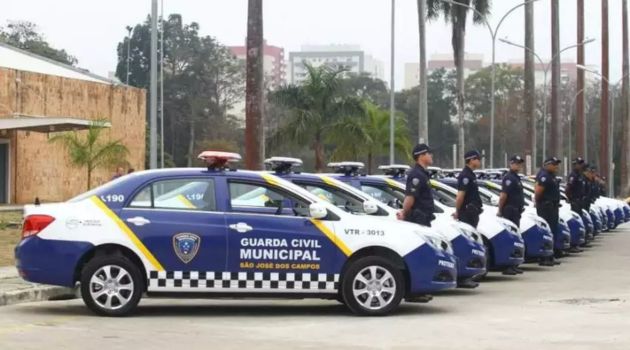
(374, 287)
(111, 287)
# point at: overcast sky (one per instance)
(91, 29)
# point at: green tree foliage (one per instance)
(367, 136)
(26, 36)
(314, 109)
(202, 81)
(90, 151)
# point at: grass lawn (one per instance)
(9, 237)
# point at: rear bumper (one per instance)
(49, 261)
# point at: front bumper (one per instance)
(471, 257)
(430, 270)
(49, 261)
(562, 241)
(538, 242)
(508, 250)
(578, 232)
(619, 217)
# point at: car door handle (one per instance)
(241, 227)
(138, 221)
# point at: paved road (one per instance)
(582, 304)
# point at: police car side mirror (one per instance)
(494, 201)
(370, 207)
(317, 211)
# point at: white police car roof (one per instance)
(289, 160)
(436, 168)
(359, 165)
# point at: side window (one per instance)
(385, 195)
(444, 197)
(185, 194)
(338, 198)
(263, 199)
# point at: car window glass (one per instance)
(262, 199)
(339, 198)
(186, 194)
(444, 197)
(385, 195)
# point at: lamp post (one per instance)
(546, 68)
(392, 109)
(129, 30)
(613, 89)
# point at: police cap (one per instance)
(421, 149)
(516, 159)
(472, 155)
(552, 160)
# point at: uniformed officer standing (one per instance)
(418, 205)
(547, 198)
(512, 199)
(468, 202)
(576, 191)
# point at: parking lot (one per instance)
(582, 304)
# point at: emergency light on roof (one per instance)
(217, 159)
(394, 169)
(283, 164)
(347, 168)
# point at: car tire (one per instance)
(111, 285)
(372, 286)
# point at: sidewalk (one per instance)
(14, 290)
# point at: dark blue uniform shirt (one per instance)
(419, 186)
(576, 186)
(552, 190)
(513, 187)
(467, 182)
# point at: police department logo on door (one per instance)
(186, 246)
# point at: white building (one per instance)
(350, 57)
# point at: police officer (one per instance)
(468, 202)
(418, 205)
(547, 198)
(576, 191)
(512, 199)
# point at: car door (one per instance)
(184, 232)
(278, 249)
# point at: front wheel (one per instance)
(111, 285)
(372, 286)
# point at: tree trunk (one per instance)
(530, 87)
(254, 87)
(89, 177)
(423, 121)
(580, 122)
(370, 162)
(555, 137)
(625, 114)
(603, 145)
(319, 153)
(458, 43)
(191, 139)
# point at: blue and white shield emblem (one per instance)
(186, 246)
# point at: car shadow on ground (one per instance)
(232, 309)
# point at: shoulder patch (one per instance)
(465, 181)
(508, 182)
(415, 181)
(543, 179)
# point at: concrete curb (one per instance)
(36, 293)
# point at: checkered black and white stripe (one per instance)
(200, 281)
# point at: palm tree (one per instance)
(367, 136)
(457, 14)
(315, 107)
(90, 151)
(254, 86)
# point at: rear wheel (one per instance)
(111, 285)
(372, 286)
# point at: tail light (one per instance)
(34, 224)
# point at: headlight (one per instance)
(472, 235)
(438, 244)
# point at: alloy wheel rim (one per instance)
(111, 287)
(374, 287)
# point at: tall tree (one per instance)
(457, 15)
(26, 36)
(254, 144)
(529, 107)
(579, 107)
(603, 147)
(625, 115)
(423, 123)
(90, 150)
(555, 137)
(314, 108)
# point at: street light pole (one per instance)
(129, 30)
(392, 109)
(545, 71)
(570, 120)
(493, 34)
